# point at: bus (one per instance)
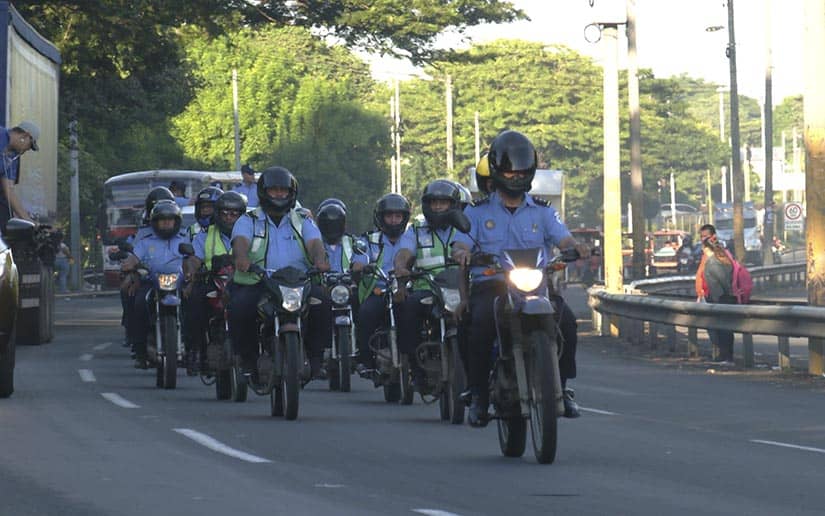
(123, 201)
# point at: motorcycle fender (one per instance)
(342, 320)
(170, 300)
(538, 306)
(288, 328)
(451, 332)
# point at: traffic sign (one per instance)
(793, 216)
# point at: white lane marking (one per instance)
(786, 445)
(86, 357)
(434, 512)
(87, 375)
(218, 446)
(101, 347)
(597, 411)
(118, 400)
(330, 486)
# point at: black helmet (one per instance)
(332, 220)
(391, 202)
(158, 193)
(228, 201)
(466, 196)
(439, 189)
(165, 209)
(512, 151)
(332, 200)
(277, 176)
(209, 194)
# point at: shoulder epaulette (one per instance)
(541, 202)
(482, 201)
(303, 212)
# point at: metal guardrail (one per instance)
(640, 317)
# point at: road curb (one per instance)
(89, 293)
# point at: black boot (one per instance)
(477, 414)
(571, 408)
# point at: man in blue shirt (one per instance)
(179, 191)
(510, 219)
(14, 142)
(159, 252)
(331, 217)
(215, 241)
(248, 187)
(274, 236)
(391, 216)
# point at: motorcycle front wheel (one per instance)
(542, 371)
(237, 384)
(405, 375)
(344, 358)
(512, 436)
(455, 386)
(169, 360)
(292, 374)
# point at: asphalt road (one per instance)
(85, 434)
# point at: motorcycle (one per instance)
(525, 384)
(339, 358)
(164, 344)
(438, 353)
(392, 369)
(281, 368)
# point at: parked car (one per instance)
(17, 230)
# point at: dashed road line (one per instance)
(101, 347)
(87, 375)
(215, 445)
(118, 400)
(787, 445)
(86, 357)
(434, 512)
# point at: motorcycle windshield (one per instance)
(289, 277)
(448, 278)
(524, 258)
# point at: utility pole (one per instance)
(736, 162)
(636, 177)
(814, 112)
(448, 92)
(392, 140)
(74, 204)
(236, 118)
(398, 136)
(612, 165)
(767, 224)
(477, 140)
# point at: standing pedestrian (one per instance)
(62, 259)
(718, 288)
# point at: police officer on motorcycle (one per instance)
(274, 235)
(157, 250)
(391, 216)
(215, 241)
(433, 240)
(511, 219)
(204, 209)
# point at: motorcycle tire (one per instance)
(7, 368)
(169, 361)
(405, 376)
(392, 392)
(542, 371)
(512, 436)
(237, 385)
(223, 384)
(456, 384)
(276, 401)
(332, 374)
(292, 374)
(344, 358)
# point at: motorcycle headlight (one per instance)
(451, 298)
(526, 280)
(167, 281)
(291, 298)
(339, 294)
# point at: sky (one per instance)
(671, 39)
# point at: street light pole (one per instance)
(612, 178)
(636, 177)
(767, 225)
(736, 159)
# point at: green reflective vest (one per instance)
(214, 246)
(193, 231)
(346, 254)
(430, 251)
(260, 242)
(368, 281)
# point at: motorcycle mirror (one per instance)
(359, 247)
(186, 249)
(220, 261)
(18, 230)
(125, 247)
(118, 255)
(458, 220)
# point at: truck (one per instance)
(723, 220)
(30, 71)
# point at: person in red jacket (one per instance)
(706, 232)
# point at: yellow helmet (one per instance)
(483, 173)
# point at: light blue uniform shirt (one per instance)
(182, 201)
(251, 193)
(199, 244)
(161, 256)
(334, 253)
(283, 249)
(496, 229)
(405, 241)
